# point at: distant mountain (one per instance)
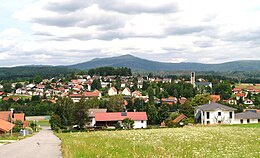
(136, 63)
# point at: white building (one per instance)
(247, 117)
(111, 118)
(126, 91)
(112, 91)
(214, 113)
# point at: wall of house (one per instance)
(238, 121)
(140, 124)
(215, 119)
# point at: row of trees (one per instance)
(107, 71)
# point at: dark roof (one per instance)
(215, 106)
(202, 83)
(247, 115)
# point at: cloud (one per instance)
(72, 31)
(14, 32)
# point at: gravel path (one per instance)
(42, 145)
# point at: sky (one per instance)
(64, 32)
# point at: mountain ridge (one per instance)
(137, 63)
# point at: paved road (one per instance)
(42, 145)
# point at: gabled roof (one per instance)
(240, 94)
(18, 117)
(5, 126)
(215, 106)
(119, 116)
(4, 115)
(179, 118)
(247, 115)
(92, 112)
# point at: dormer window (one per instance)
(219, 113)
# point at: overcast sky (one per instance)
(63, 32)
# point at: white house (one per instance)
(248, 102)
(247, 117)
(91, 116)
(126, 91)
(111, 118)
(214, 113)
(112, 91)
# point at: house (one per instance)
(112, 91)
(1, 95)
(215, 98)
(8, 117)
(231, 101)
(236, 90)
(5, 126)
(170, 100)
(112, 118)
(178, 119)
(87, 95)
(126, 91)
(137, 94)
(247, 117)
(214, 113)
(182, 100)
(248, 102)
(91, 116)
(240, 95)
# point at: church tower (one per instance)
(192, 78)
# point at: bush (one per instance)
(128, 123)
(18, 126)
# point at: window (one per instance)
(207, 114)
(208, 122)
(258, 120)
(142, 121)
(219, 122)
(248, 120)
(241, 121)
(230, 114)
(219, 113)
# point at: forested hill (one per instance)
(136, 63)
(28, 72)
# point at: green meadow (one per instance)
(197, 142)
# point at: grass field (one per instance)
(42, 122)
(220, 141)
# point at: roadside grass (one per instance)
(198, 142)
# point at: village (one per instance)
(144, 100)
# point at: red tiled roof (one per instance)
(5, 126)
(240, 94)
(179, 118)
(91, 94)
(19, 117)
(236, 89)
(117, 116)
(182, 100)
(215, 98)
(4, 115)
(1, 93)
(250, 88)
(5, 99)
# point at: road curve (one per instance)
(42, 145)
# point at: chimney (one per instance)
(134, 110)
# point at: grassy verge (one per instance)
(169, 142)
